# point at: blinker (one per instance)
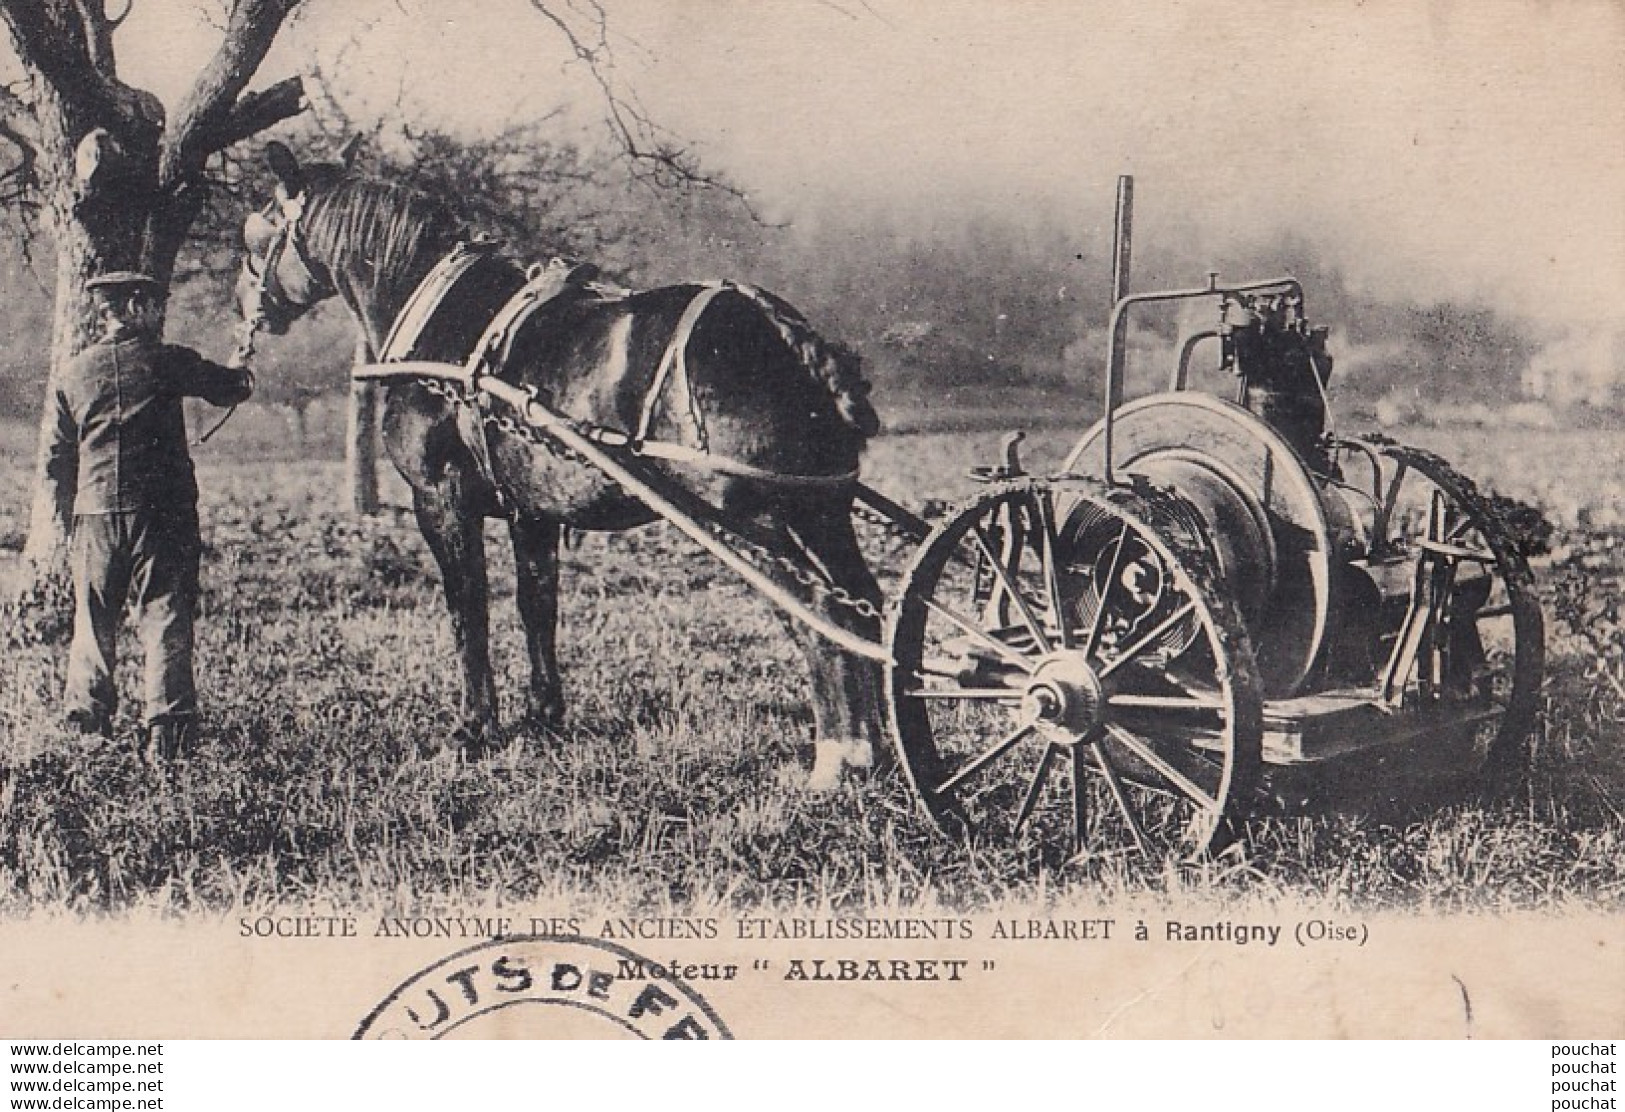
(258, 231)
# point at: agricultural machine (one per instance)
(1110, 657)
(1213, 595)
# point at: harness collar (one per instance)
(543, 282)
(427, 297)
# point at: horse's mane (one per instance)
(391, 227)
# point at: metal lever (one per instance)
(1011, 469)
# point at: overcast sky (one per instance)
(1450, 148)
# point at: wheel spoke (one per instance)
(1080, 798)
(1020, 603)
(1098, 625)
(976, 631)
(1052, 568)
(1143, 643)
(997, 694)
(1142, 749)
(979, 763)
(1035, 788)
(1163, 702)
(1461, 552)
(1114, 783)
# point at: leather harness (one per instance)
(544, 284)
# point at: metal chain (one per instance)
(759, 554)
(894, 529)
(800, 571)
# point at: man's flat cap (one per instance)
(118, 279)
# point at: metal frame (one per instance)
(1123, 301)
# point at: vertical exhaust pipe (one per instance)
(1116, 353)
(1122, 238)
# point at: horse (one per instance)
(755, 388)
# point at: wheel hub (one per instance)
(1065, 698)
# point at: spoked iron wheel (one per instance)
(1476, 666)
(1066, 667)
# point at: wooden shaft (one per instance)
(554, 425)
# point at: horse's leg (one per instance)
(846, 688)
(536, 567)
(454, 529)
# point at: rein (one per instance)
(287, 237)
(249, 329)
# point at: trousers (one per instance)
(147, 559)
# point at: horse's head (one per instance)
(279, 280)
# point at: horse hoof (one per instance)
(544, 716)
(473, 744)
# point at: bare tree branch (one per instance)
(18, 114)
(40, 45)
(20, 201)
(206, 108)
(255, 112)
(651, 150)
(18, 182)
(68, 45)
(99, 35)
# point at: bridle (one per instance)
(289, 241)
(269, 292)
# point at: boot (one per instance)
(89, 723)
(166, 740)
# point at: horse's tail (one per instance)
(838, 368)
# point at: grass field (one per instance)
(328, 679)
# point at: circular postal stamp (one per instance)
(543, 987)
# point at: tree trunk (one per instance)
(122, 184)
(361, 439)
(125, 223)
(41, 595)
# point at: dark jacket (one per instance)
(120, 437)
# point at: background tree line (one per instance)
(990, 301)
(973, 302)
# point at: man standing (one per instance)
(120, 449)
